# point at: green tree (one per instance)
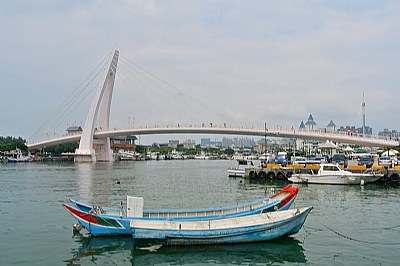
(57, 150)
(10, 143)
(140, 149)
(229, 151)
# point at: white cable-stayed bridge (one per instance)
(97, 130)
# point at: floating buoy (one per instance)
(362, 182)
(118, 182)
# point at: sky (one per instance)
(243, 63)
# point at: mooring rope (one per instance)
(359, 240)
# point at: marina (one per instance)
(384, 175)
(347, 219)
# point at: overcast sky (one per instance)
(246, 62)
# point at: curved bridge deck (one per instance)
(372, 141)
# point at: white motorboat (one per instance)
(239, 171)
(17, 157)
(329, 173)
(265, 157)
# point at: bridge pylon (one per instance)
(98, 149)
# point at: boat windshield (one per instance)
(244, 162)
(331, 168)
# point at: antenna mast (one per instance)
(363, 113)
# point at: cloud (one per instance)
(246, 62)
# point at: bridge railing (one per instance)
(260, 130)
(278, 129)
(321, 132)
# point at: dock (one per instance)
(279, 172)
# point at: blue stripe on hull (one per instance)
(100, 230)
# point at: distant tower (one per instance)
(310, 124)
(363, 113)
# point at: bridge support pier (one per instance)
(85, 158)
(103, 150)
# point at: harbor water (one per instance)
(349, 225)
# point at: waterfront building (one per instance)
(189, 144)
(331, 127)
(74, 130)
(302, 126)
(367, 130)
(173, 143)
(353, 129)
(347, 129)
(311, 124)
(205, 142)
(126, 143)
(391, 134)
(238, 142)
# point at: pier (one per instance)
(279, 172)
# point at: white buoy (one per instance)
(362, 182)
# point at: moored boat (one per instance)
(239, 171)
(18, 157)
(243, 229)
(100, 221)
(329, 173)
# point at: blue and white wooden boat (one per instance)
(243, 229)
(100, 221)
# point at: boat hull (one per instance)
(354, 179)
(99, 222)
(236, 172)
(332, 174)
(246, 229)
(19, 160)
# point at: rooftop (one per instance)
(310, 121)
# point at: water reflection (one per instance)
(126, 250)
(94, 182)
(92, 249)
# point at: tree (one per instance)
(229, 151)
(58, 149)
(10, 143)
(140, 149)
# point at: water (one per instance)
(348, 225)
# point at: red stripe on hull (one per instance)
(81, 215)
(293, 192)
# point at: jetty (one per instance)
(279, 172)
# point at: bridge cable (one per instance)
(179, 92)
(72, 107)
(72, 97)
(152, 87)
(142, 94)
